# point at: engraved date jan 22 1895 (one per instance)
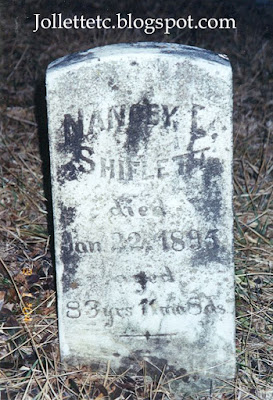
(166, 240)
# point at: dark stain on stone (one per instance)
(133, 63)
(205, 193)
(141, 278)
(142, 117)
(213, 169)
(69, 259)
(162, 364)
(67, 215)
(116, 354)
(210, 203)
(154, 367)
(73, 145)
(71, 170)
(219, 254)
(73, 134)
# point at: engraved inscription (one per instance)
(175, 240)
(142, 206)
(136, 168)
(130, 125)
(93, 309)
(125, 207)
(167, 240)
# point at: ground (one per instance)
(29, 354)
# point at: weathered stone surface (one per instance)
(140, 140)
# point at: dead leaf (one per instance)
(2, 299)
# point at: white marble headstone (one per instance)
(141, 155)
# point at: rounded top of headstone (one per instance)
(140, 48)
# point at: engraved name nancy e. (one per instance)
(133, 125)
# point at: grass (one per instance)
(29, 354)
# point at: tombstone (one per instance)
(141, 153)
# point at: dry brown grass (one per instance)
(29, 355)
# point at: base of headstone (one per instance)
(179, 383)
